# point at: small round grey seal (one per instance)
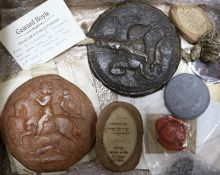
(186, 96)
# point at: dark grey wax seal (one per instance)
(183, 166)
(137, 49)
(186, 96)
(188, 165)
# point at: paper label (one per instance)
(120, 136)
(193, 20)
(42, 34)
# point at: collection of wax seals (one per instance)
(49, 124)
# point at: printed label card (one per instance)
(42, 34)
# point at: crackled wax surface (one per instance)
(48, 124)
(137, 49)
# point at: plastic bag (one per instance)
(94, 167)
(187, 164)
(153, 146)
(209, 72)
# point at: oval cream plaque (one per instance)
(191, 21)
(119, 137)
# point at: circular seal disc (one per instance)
(137, 49)
(186, 96)
(48, 124)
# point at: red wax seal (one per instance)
(171, 133)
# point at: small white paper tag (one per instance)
(42, 34)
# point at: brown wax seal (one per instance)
(171, 133)
(191, 21)
(119, 135)
(48, 124)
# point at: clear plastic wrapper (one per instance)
(94, 167)
(188, 132)
(187, 164)
(209, 72)
(214, 14)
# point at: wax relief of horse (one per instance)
(28, 111)
(39, 120)
(48, 124)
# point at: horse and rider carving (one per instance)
(44, 113)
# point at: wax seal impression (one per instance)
(119, 135)
(186, 96)
(171, 133)
(191, 21)
(136, 50)
(48, 124)
(187, 165)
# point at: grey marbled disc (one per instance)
(137, 49)
(186, 96)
